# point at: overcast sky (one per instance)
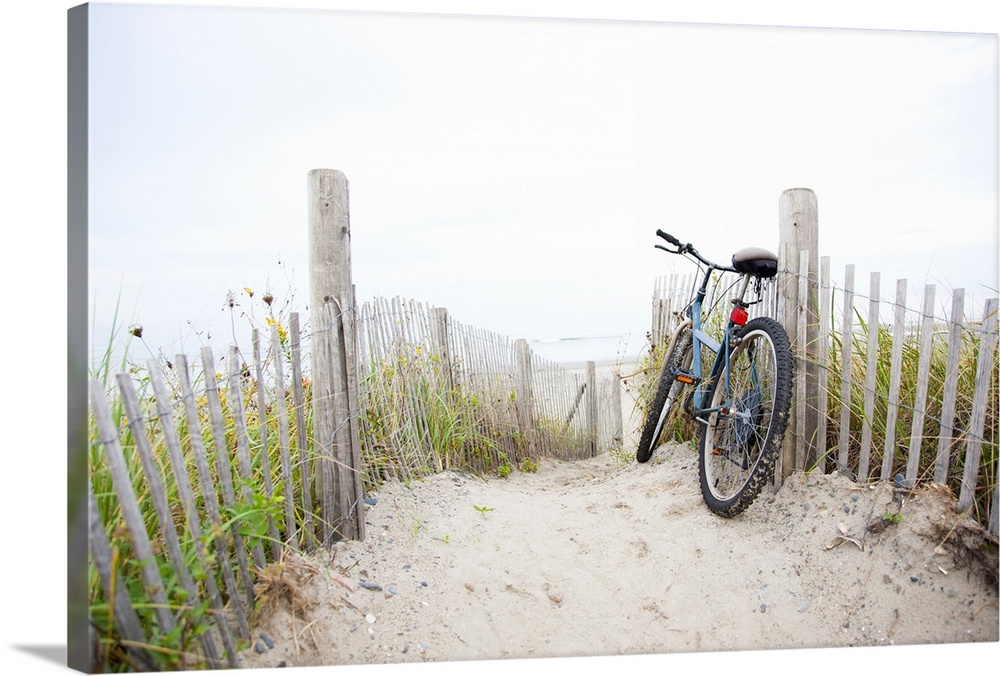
(514, 170)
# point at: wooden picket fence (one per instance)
(918, 399)
(202, 478)
(533, 406)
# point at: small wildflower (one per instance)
(248, 290)
(136, 331)
(268, 299)
(282, 331)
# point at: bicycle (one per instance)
(742, 404)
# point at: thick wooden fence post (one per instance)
(592, 426)
(440, 326)
(524, 392)
(798, 225)
(617, 422)
(335, 405)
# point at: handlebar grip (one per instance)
(670, 238)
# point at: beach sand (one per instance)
(605, 556)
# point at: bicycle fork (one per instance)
(737, 445)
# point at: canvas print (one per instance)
(431, 338)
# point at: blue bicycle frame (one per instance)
(700, 338)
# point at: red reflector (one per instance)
(738, 316)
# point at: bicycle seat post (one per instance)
(744, 285)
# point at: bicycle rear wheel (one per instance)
(740, 441)
(668, 394)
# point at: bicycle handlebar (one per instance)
(670, 238)
(688, 249)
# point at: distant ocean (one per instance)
(603, 350)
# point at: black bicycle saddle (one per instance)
(756, 262)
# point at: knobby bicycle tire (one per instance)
(739, 446)
(667, 395)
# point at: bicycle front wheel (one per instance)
(668, 393)
(742, 435)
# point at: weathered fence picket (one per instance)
(192, 516)
(895, 376)
(846, 369)
(304, 463)
(158, 491)
(871, 374)
(981, 399)
(112, 585)
(923, 377)
(234, 398)
(210, 498)
(822, 358)
(948, 432)
(284, 437)
(224, 473)
(262, 443)
(129, 506)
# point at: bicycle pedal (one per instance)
(686, 377)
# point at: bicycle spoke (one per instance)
(740, 438)
(742, 432)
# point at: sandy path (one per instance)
(600, 557)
